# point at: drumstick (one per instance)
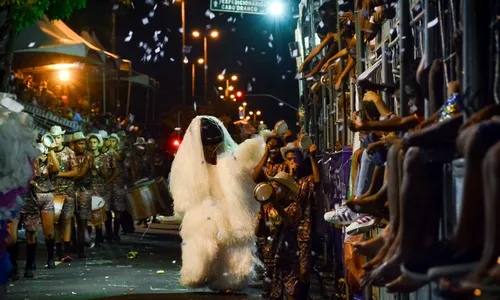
(145, 231)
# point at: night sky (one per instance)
(259, 66)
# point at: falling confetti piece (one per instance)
(209, 14)
(249, 87)
(150, 2)
(106, 277)
(239, 63)
(162, 53)
(151, 14)
(141, 44)
(263, 52)
(253, 79)
(233, 29)
(321, 24)
(181, 30)
(246, 49)
(281, 104)
(278, 59)
(230, 19)
(223, 72)
(157, 50)
(156, 5)
(115, 7)
(145, 21)
(128, 38)
(270, 44)
(271, 38)
(31, 45)
(283, 77)
(433, 23)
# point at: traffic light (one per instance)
(176, 143)
(239, 94)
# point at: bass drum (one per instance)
(58, 205)
(164, 202)
(141, 200)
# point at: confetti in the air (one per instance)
(321, 24)
(278, 59)
(233, 29)
(151, 13)
(271, 38)
(181, 30)
(263, 52)
(157, 50)
(156, 5)
(31, 45)
(223, 72)
(115, 7)
(150, 2)
(209, 14)
(230, 19)
(433, 23)
(141, 44)
(145, 21)
(246, 49)
(249, 87)
(253, 79)
(239, 63)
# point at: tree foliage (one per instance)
(23, 13)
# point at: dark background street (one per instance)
(108, 273)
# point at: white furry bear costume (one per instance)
(218, 209)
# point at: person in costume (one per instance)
(141, 167)
(112, 173)
(38, 207)
(65, 187)
(278, 222)
(118, 194)
(83, 184)
(100, 175)
(212, 188)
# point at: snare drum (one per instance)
(141, 200)
(280, 128)
(263, 192)
(164, 201)
(58, 205)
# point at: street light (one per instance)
(231, 96)
(201, 61)
(250, 112)
(240, 108)
(276, 8)
(64, 75)
(220, 77)
(244, 104)
(258, 113)
(222, 96)
(193, 75)
(220, 88)
(248, 117)
(261, 122)
(230, 88)
(234, 78)
(213, 34)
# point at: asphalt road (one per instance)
(108, 273)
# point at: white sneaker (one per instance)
(362, 225)
(341, 215)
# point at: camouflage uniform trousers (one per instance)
(118, 196)
(69, 203)
(83, 204)
(34, 207)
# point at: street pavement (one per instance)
(108, 273)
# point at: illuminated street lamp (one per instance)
(276, 8)
(240, 108)
(244, 104)
(261, 122)
(214, 34)
(220, 77)
(201, 61)
(258, 113)
(220, 88)
(230, 88)
(250, 113)
(248, 117)
(231, 96)
(222, 96)
(241, 117)
(234, 78)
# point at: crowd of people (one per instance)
(73, 175)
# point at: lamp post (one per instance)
(200, 61)
(213, 34)
(183, 20)
(228, 88)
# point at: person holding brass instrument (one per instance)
(278, 222)
(83, 184)
(64, 191)
(38, 206)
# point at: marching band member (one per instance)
(38, 206)
(65, 187)
(211, 184)
(83, 183)
(118, 203)
(141, 166)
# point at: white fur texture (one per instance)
(218, 210)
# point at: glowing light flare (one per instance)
(276, 8)
(201, 61)
(220, 88)
(251, 113)
(261, 122)
(220, 77)
(231, 96)
(234, 78)
(231, 88)
(176, 143)
(214, 34)
(64, 75)
(196, 34)
(244, 104)
(258, 113)
(239, 94)
(240, 108)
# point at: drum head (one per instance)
(305, 142)
(97, 202)
(280, 128)
(141, 181)
(263, 192)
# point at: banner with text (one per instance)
(240, 6)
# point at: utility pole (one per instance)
(183, 17)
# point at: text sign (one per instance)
(240, 6)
